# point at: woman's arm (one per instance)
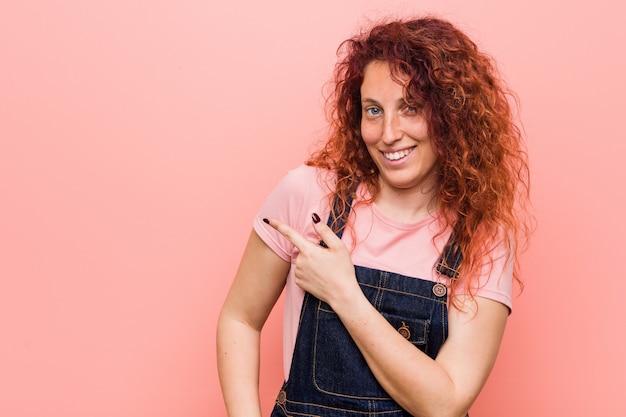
(446, 386)
(257, 285)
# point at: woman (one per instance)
(397, 304)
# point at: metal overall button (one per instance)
(404, 331)
(439, 290)
(282, 397)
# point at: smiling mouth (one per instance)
(395, 156)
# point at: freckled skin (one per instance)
(390, 124)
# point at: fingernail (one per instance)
(266, 220)
(316, 218)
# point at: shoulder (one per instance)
(310, 176)
(302, 191)
(495, 277)
(304, 184)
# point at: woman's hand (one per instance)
(327, 273)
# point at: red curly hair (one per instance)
(483, 185)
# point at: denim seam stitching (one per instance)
(343, 409)
(437, 300)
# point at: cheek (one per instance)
(434, 155)
(418, 129)
(369, 133)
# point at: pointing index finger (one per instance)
(293, 235)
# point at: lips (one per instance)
(397, 155)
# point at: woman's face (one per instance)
(396, 133)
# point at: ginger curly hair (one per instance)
(483, 176)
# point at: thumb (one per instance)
(326, 234)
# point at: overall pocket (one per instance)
(414, 330)
(339, 368)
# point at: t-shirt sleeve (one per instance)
(496, 280)
(291, 202)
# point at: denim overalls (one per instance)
(329, 376)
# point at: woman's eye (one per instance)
(373, 111)
(410, 109)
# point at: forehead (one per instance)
(384, 67)
(379, 77)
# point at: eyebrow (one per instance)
(367, 100)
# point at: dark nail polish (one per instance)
(316, 218)
(266, 220)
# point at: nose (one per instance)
(391, 129)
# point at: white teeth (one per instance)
(394, 156)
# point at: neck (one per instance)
(406, 205)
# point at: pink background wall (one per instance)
(137, 140)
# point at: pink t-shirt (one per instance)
(375, 240)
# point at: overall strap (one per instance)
(450, 259)
(448, 263)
